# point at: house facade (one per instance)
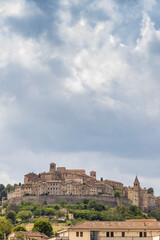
(141, 229)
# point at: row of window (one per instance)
(111, 234)
(53, 188)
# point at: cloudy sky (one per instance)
(80, 86)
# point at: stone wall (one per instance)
(110, 201)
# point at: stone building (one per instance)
(140, 197)
(62, 181)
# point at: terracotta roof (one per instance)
(111, 181)
(75, 170)
(52, 181)
(36, 234)
(32, 234)
(125, 225)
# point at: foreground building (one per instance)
(27, 235)
(140, 229)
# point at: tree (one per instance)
(24, 215)
(5, 227)
(56, 207)
(11, 215)
(9, 187)
(19, 228)
(117, 193)
(2, 187)
(62, 202)
(93, 204)
(5, 204)
(85, 200)
(43, 226)
(150, 190)
(2, 191)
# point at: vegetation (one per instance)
(43, 226)
(13, 216)
(150, 190)
(117, 193)
(19, 228)
(5, 227)
(4, 190)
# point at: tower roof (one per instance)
(136, 182)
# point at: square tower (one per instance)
(52, 168)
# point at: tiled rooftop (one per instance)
(139, 224)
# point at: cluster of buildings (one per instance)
(62, 181)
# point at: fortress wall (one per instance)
(110, 201)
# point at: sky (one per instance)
(80, 86)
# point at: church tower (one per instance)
(52, 168)
(136, 183)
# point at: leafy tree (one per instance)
(5, 204)
(39, 211)
(43, 226)
(24, 215)
(5, 227)
(93, 204)
(56, 207)
(150, 190)
(85, 200)
(60, 214)
(3, 193)
(9, 187)
(62, 202)
(11, 215)
(19, 228)
(2, 187)
(49, 211)
(117, 193)
(12, 207)
(155, 214)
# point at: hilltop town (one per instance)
(60, 181)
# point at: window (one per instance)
(109, 234)
(77, 234)
(140, 234)
(81, 234)
(145, 234)
(123, 234)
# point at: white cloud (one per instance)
(6, 179)
(17, 8)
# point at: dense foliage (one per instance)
(89, 210)
(4, 190)
(43, 226)
(5, 227)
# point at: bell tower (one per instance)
(93, 174)
(52, 168)
(136, 183)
